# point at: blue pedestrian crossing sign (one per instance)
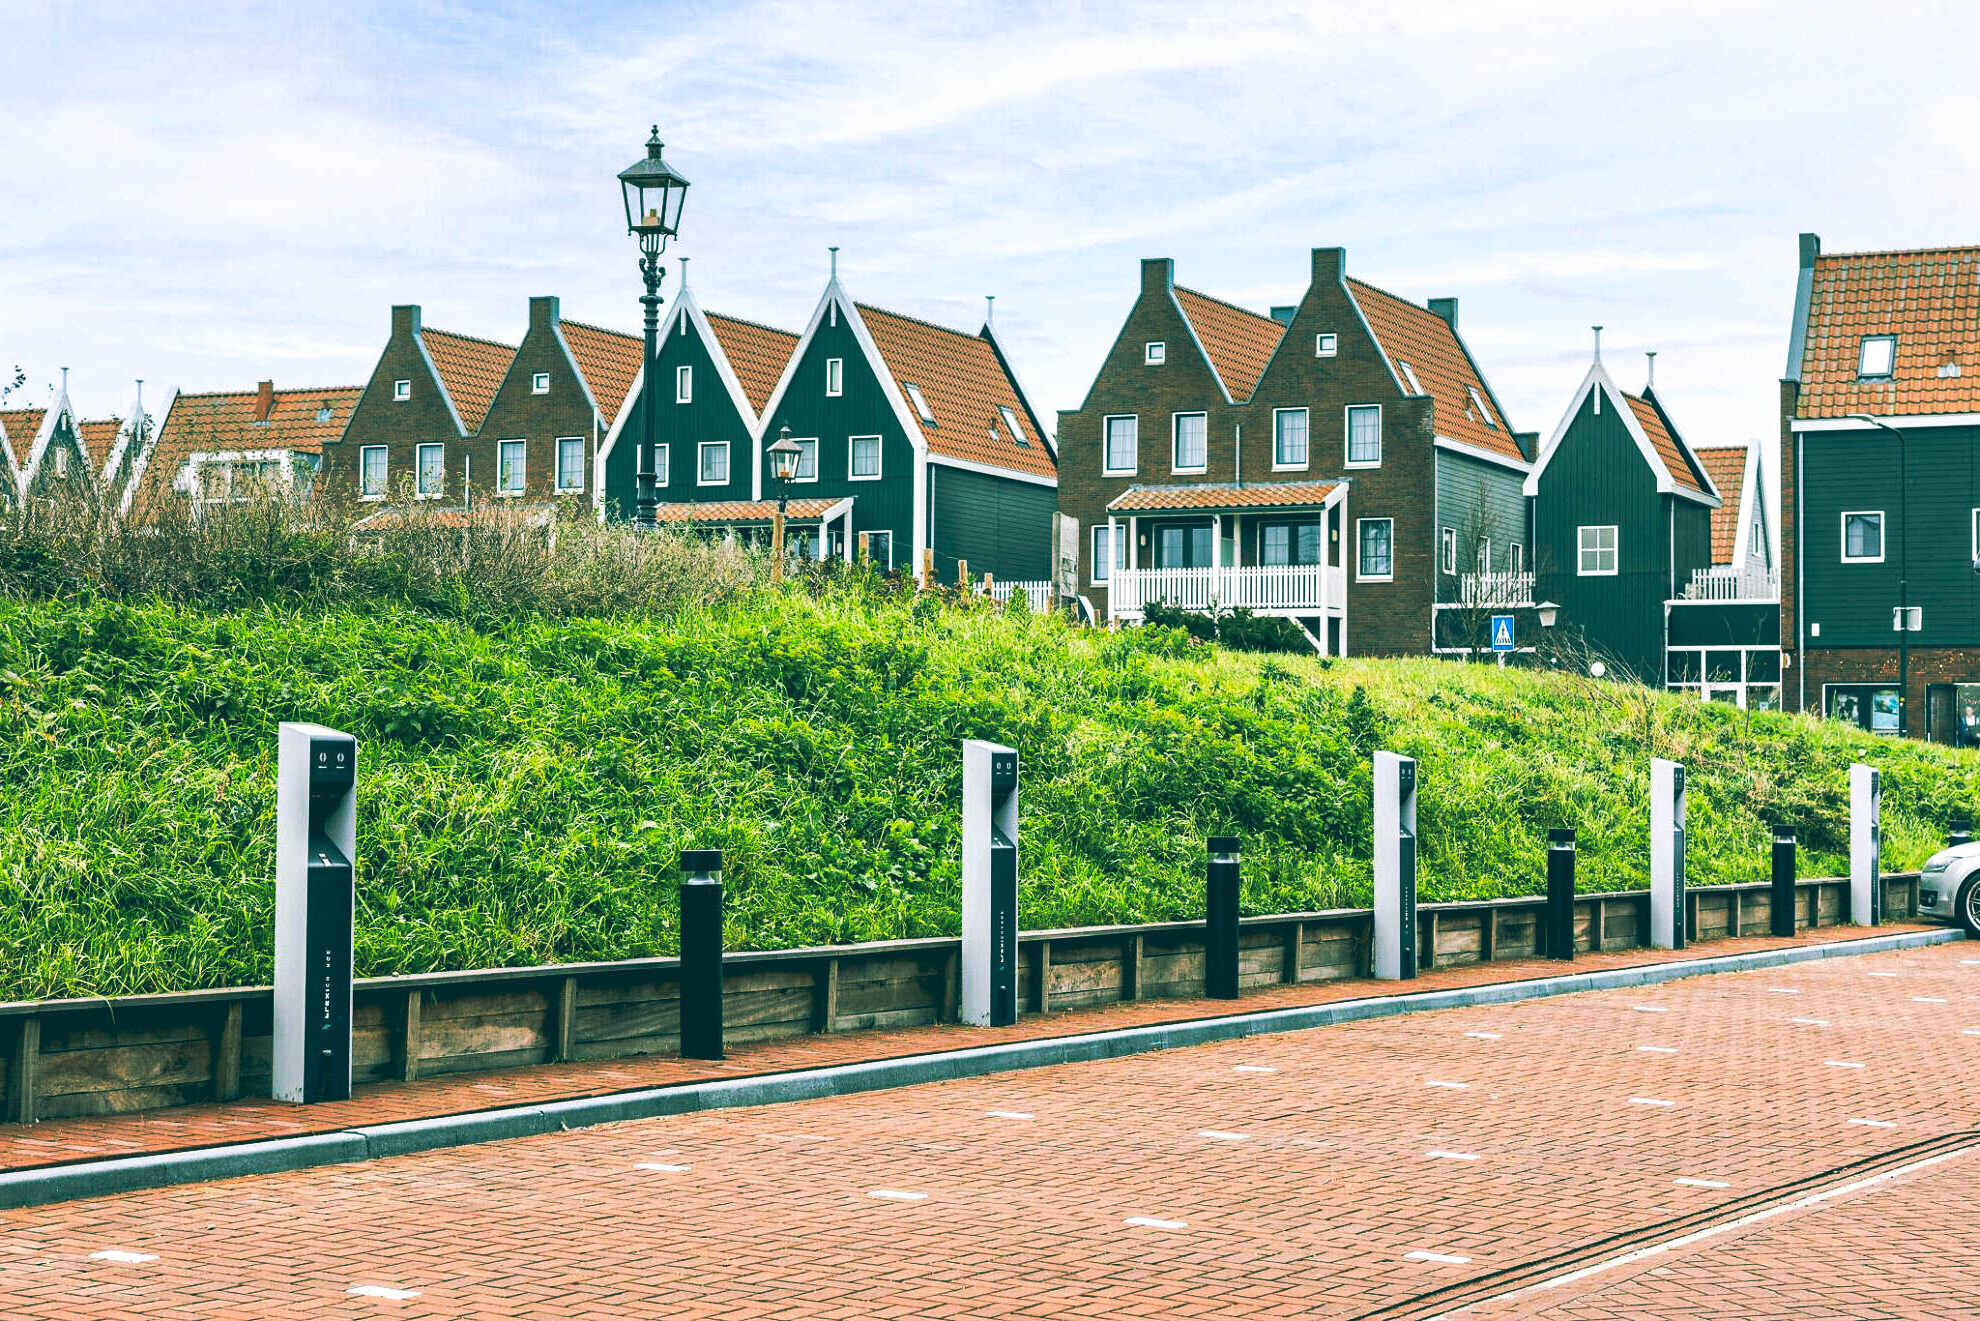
(1502, 632)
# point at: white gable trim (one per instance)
(1388, 361)
(143, 459)
(128, 433)
(687, 306)
(1596, 379)
(13, 464)
(612, 438)
(1024, 398)
(1898, 420)
(57, 410)
(439, 383)
(992, 470)
(1215, 374)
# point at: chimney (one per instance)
(1598, 343)
(405, 319)
(1158, 275)
(1650, 379)
(1329, 265)
(1811, 248)
(543, 314)
(1284, 315)
(1447, 309)
(264, 401)
(834, 250)
(990, 309)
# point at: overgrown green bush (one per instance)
(1238, 629)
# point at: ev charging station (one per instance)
(990, 884)
(315, 840)
(1395, 866)
(1667, 804)
(1866, 845)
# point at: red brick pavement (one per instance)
(63, 1141)
(1301, 1191)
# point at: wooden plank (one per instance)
(1736, 922)
(227, 1055)
(564, 1020)
(950, 1009)
(1429, 960)
(1295, 947)
(159, 1064)
(409, 1038)
(27, 1055)
(1601, 924)
(1489, 950)
(827, 1015)
(1041, 978)
(1138, 968)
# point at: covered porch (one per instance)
(814, 529)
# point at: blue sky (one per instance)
(206, 202)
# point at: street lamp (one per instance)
(1904, 573)
(654, 193)
(1548, 612)
(784, 456)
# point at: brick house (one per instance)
(219, 448)
(1313, 463)
(1892, 337)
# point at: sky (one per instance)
(208, 197)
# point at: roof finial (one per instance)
(1598, 344)
(1651, 382)
(989, 309)
(684, 262)
(835, 260)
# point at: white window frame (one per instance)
(1582, 550)
(1306, 426)
(1863, 351)
(1976, 536)
(806, 445)
(401, 391)
(1154, 353)
(1326, 344)
(1175, 443)
(835, 377)
(1516, 558)
(853, 474)
(1483, 409)
(1447, 557)
(1115, 559)
(419, 471)
(384, 472)
(1347, 436)
(1106, 437)
(684, 383)
(1012, 424)
(662, 464)
(522, 469)
(920, 402)
(701, 477)
(885, 562)
(1361, 577)
(564, 487)
(1409, 374)
(1883, 535)
(540, 383)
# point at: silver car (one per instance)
(1949, 887)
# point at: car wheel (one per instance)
(1968, 909)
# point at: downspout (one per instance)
(1800, 586)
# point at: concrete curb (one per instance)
(34, 1187)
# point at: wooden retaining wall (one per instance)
(98, 1056)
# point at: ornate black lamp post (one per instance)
(654, 192)
(784, 456)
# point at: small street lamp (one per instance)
(784, 456)
(654, 193)
(1548, 613)
(1904, 573)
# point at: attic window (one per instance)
(323, 412)
(540, 383)
(1155, 352)
(1326, 346)
(1478, 406)
(401, 391)
(919, 401)
(1877, 356)
(1011, 424)
(835, 377)
(1409, 374)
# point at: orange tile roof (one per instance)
(1239, 341)
(608, 360)
(1416, 335)
(758, 355)
(747, 511)
(1667, 446)
(1726, 465)
(1222, 495)
(98, 435)
(964, 384)
(22, 426)
(1928, 298)
(224, 422)
(471, 369)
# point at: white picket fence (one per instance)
(1723, 582)
(1039, 592)
(1487, 590)
(1285, 589)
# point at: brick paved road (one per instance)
(1374, 1163)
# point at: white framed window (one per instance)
(511, 459)
(1409, 374)
(1863, 536)
(1479, 407)
(807, 464)
(1447, 549)
(430, 472)
(1516, 558)
(1375, 558)
(372, 461)
(570, 464)
(61, 463)
(1109, 553)
(1121, 446)
(1326, 345)
(662, 468)
(401, 391)
(1364, 435)
(540, 383)
(684, 384)
(1289, 438)
(920, 402)
(880, 550)
(1155, 352)
(863, 458)
(1289, 543)
(1192, 442)
(713, 467)
(1876, 356)
(1596, 555)
(1976, 535)
(835, 377)
(1011, 424)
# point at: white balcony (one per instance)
(1723, 582)
(1278, 589)
(1488, 591)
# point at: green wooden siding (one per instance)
(1691, 524)
(998, 525)
(1719, 624)
(710, 417)
(1479, 499)
(1854, 471)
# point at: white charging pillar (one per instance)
(315, 840)
(1667, 802)
(990, 884)
(1866, 845)
(1395, 866)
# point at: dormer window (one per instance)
(1155, 352)
(1409, 374)
(1011, 424)
(1478, 407)
(323, 413)
(1326, 346)
(920, 402)
(401, 391)
(540, 383)
(1876, 357)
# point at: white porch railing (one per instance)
(1040, 593)
(1292, 589)
(1723, 582)
(1485, 590)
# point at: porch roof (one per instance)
(807, 510)
(1214, 496)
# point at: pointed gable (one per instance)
(757, 354)
(1237, 341)
(1929, 299)
(1672, 452)
(1415, 335)
(609, 362)
(470, 369)
(1726, 466)
(967, 391)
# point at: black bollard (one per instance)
(1782, 905)
(701, 954)
(1560, 893)
(1220, 919)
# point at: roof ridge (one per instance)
(251, 393)
(778, 330)
(919, 321)
(1901, 252)
(603, 330)
(1406, 302)
(1225, 302)
(478, 339)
